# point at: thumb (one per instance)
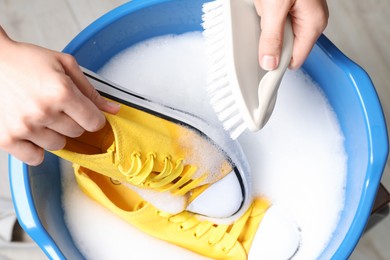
(271, 38)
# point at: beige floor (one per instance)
(358, 27)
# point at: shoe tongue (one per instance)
(116, 138)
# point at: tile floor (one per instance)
(359, 28)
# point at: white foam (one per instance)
(300, 163)
(277, 238)
(210, 199)
(297, 160)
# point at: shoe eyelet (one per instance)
(136, 154)
(152, 154)
(140, 205)
(115, 182)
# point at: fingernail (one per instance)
(268, 62)
(113, 104)
(111, 107)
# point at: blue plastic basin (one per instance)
(37, 190)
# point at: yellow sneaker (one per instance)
(223, 241)
(158, 153)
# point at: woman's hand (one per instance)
(309, 19)
(44, 97)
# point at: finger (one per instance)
(69, 100)
(303, 44)
(73, 70)
(47, 139)
(307, 29)
(83, 111)
(26, 151)
(66, 126)
(306, 34)
(271, 38)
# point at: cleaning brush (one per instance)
(241, 93)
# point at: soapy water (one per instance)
(297, 160)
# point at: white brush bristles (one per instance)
(218, 85)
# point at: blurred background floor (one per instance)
(359, 28)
